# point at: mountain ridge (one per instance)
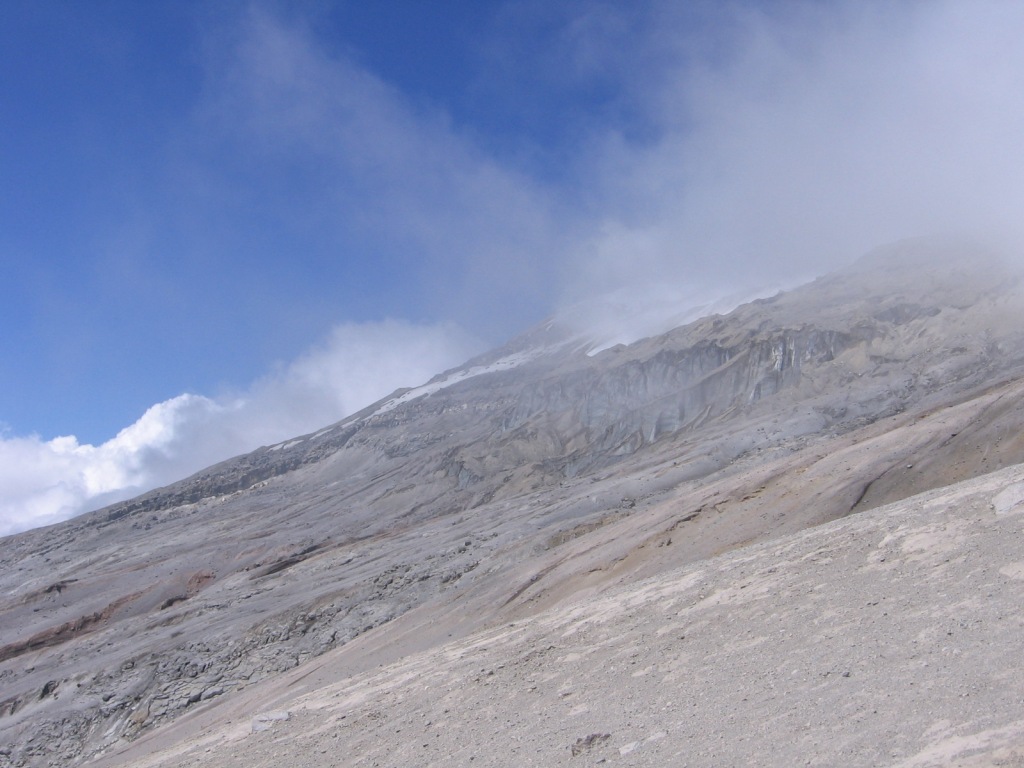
(488, 497)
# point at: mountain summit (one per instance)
(531, 478)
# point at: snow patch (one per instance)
(285, 446)
(503, 364)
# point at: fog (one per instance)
(818, 132)
(739, 148)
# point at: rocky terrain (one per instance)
(482, 564)
(893, 637)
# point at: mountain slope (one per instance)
(532, 474)
(889, 638)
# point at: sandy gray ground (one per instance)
(894, 637)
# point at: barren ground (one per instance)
(893, 637)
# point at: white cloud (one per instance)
(45, 481)
(814, 133)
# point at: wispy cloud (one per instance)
(803, 134)
(45, 481)
(390, 179)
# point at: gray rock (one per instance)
(266, 721)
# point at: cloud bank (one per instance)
(798, 136)
(46, 481)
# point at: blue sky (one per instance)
(166, 227)
(154, 241)
(222, 224)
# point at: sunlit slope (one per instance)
(535, 474)
(890, 638)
